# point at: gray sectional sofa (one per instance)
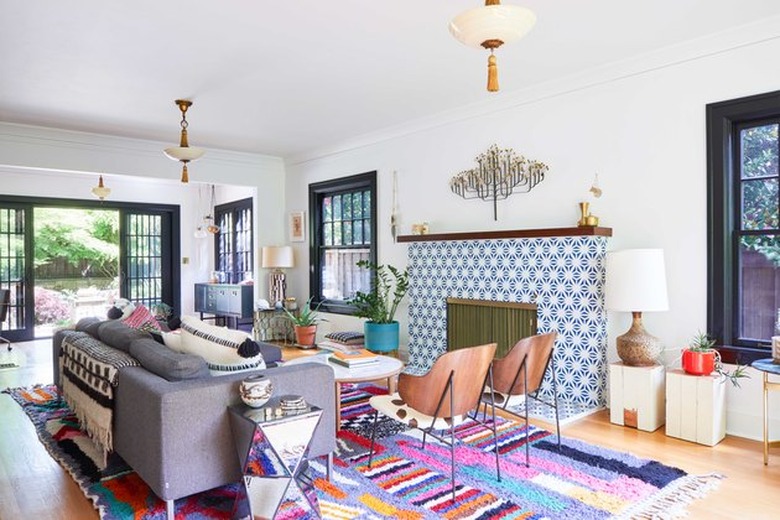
(170, 416)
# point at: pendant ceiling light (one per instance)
(184, 152)
(208, 220)
(100, 191)
(491, 26)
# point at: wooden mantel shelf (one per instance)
(510, 233)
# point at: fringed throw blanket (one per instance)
(88, 377)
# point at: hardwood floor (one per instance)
(32, 485)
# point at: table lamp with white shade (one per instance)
(636, 283)
(277, 258)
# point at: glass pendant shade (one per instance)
(100, 191)
(200, 232)
(492, 22)
(184, 153)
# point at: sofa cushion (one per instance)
(118, 335)
(160, 360)
(226, 351)
(89, 325)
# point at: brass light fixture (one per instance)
(100, 191)
(499, 173)
(491, 26)
(184, 152)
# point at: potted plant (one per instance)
(701, 359)
(378, 306)
(305, 323)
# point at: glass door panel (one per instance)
(147, 258)
(14, 270)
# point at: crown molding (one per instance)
(72, 140)
(739, 37)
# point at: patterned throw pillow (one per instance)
(226, 351)
(142, 319)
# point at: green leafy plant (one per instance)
(702, 342)
(306, 316)
(390, 285)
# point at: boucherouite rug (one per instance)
(579, 481)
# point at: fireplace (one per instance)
(476, 322)
(561, 271)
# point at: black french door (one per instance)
(16, 269)
(149, 252)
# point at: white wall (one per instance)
(44, 162)
(640, 125)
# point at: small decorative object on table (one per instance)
(292, 403)
(256, 390)
(701, 359)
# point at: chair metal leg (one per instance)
(527, 430)
(373, 435)
(495, 432)
(169, 509)
(452, 440)
(555, 400)
(329, 466)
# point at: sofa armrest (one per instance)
(177, 435)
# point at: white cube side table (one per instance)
(695, 407)
(636, 396)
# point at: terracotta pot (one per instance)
(698, 363)
(305, 335)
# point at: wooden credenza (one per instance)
(229, 300)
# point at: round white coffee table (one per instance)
(387, 368)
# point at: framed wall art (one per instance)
(297, 226)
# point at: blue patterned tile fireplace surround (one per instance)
(560, 270)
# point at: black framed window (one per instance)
(233, 242)
(743, 184)
(343, 231)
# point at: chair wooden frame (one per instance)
(436, 394)
(511, 377)
(5, 304)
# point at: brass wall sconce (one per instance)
(499, 174)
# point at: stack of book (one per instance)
(355, 358)
(342, 341)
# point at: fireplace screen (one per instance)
(476, 322)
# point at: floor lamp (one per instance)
(277, 258)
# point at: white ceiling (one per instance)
(281, 78)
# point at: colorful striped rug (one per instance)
(581, 481)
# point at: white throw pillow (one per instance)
(219, 346)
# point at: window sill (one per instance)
(736, 355)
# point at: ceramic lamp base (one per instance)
(636, 347)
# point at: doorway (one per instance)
(67, 259)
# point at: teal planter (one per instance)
(381, 337)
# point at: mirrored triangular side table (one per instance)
(272, 448)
